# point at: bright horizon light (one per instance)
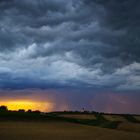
(26, 105)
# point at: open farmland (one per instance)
(79, 116)
(137, 118)
(67, 125)
(114, 118)
(127, 126)
(60, 131)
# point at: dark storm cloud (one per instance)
(85, 42)
(124, 16)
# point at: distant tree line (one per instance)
(4, 108)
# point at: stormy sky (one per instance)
(76, 51)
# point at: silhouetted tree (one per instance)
(3, 108)
(29, 111)
(36, 112)
(21, 110)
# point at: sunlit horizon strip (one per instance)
(26, 105)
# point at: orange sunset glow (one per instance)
(26, 105)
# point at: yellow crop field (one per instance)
(60, 131)
(114, 118)
(81, 116)
(129, 126)
(137, 118)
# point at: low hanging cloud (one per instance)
(67, 43)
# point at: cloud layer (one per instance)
(67, 43)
